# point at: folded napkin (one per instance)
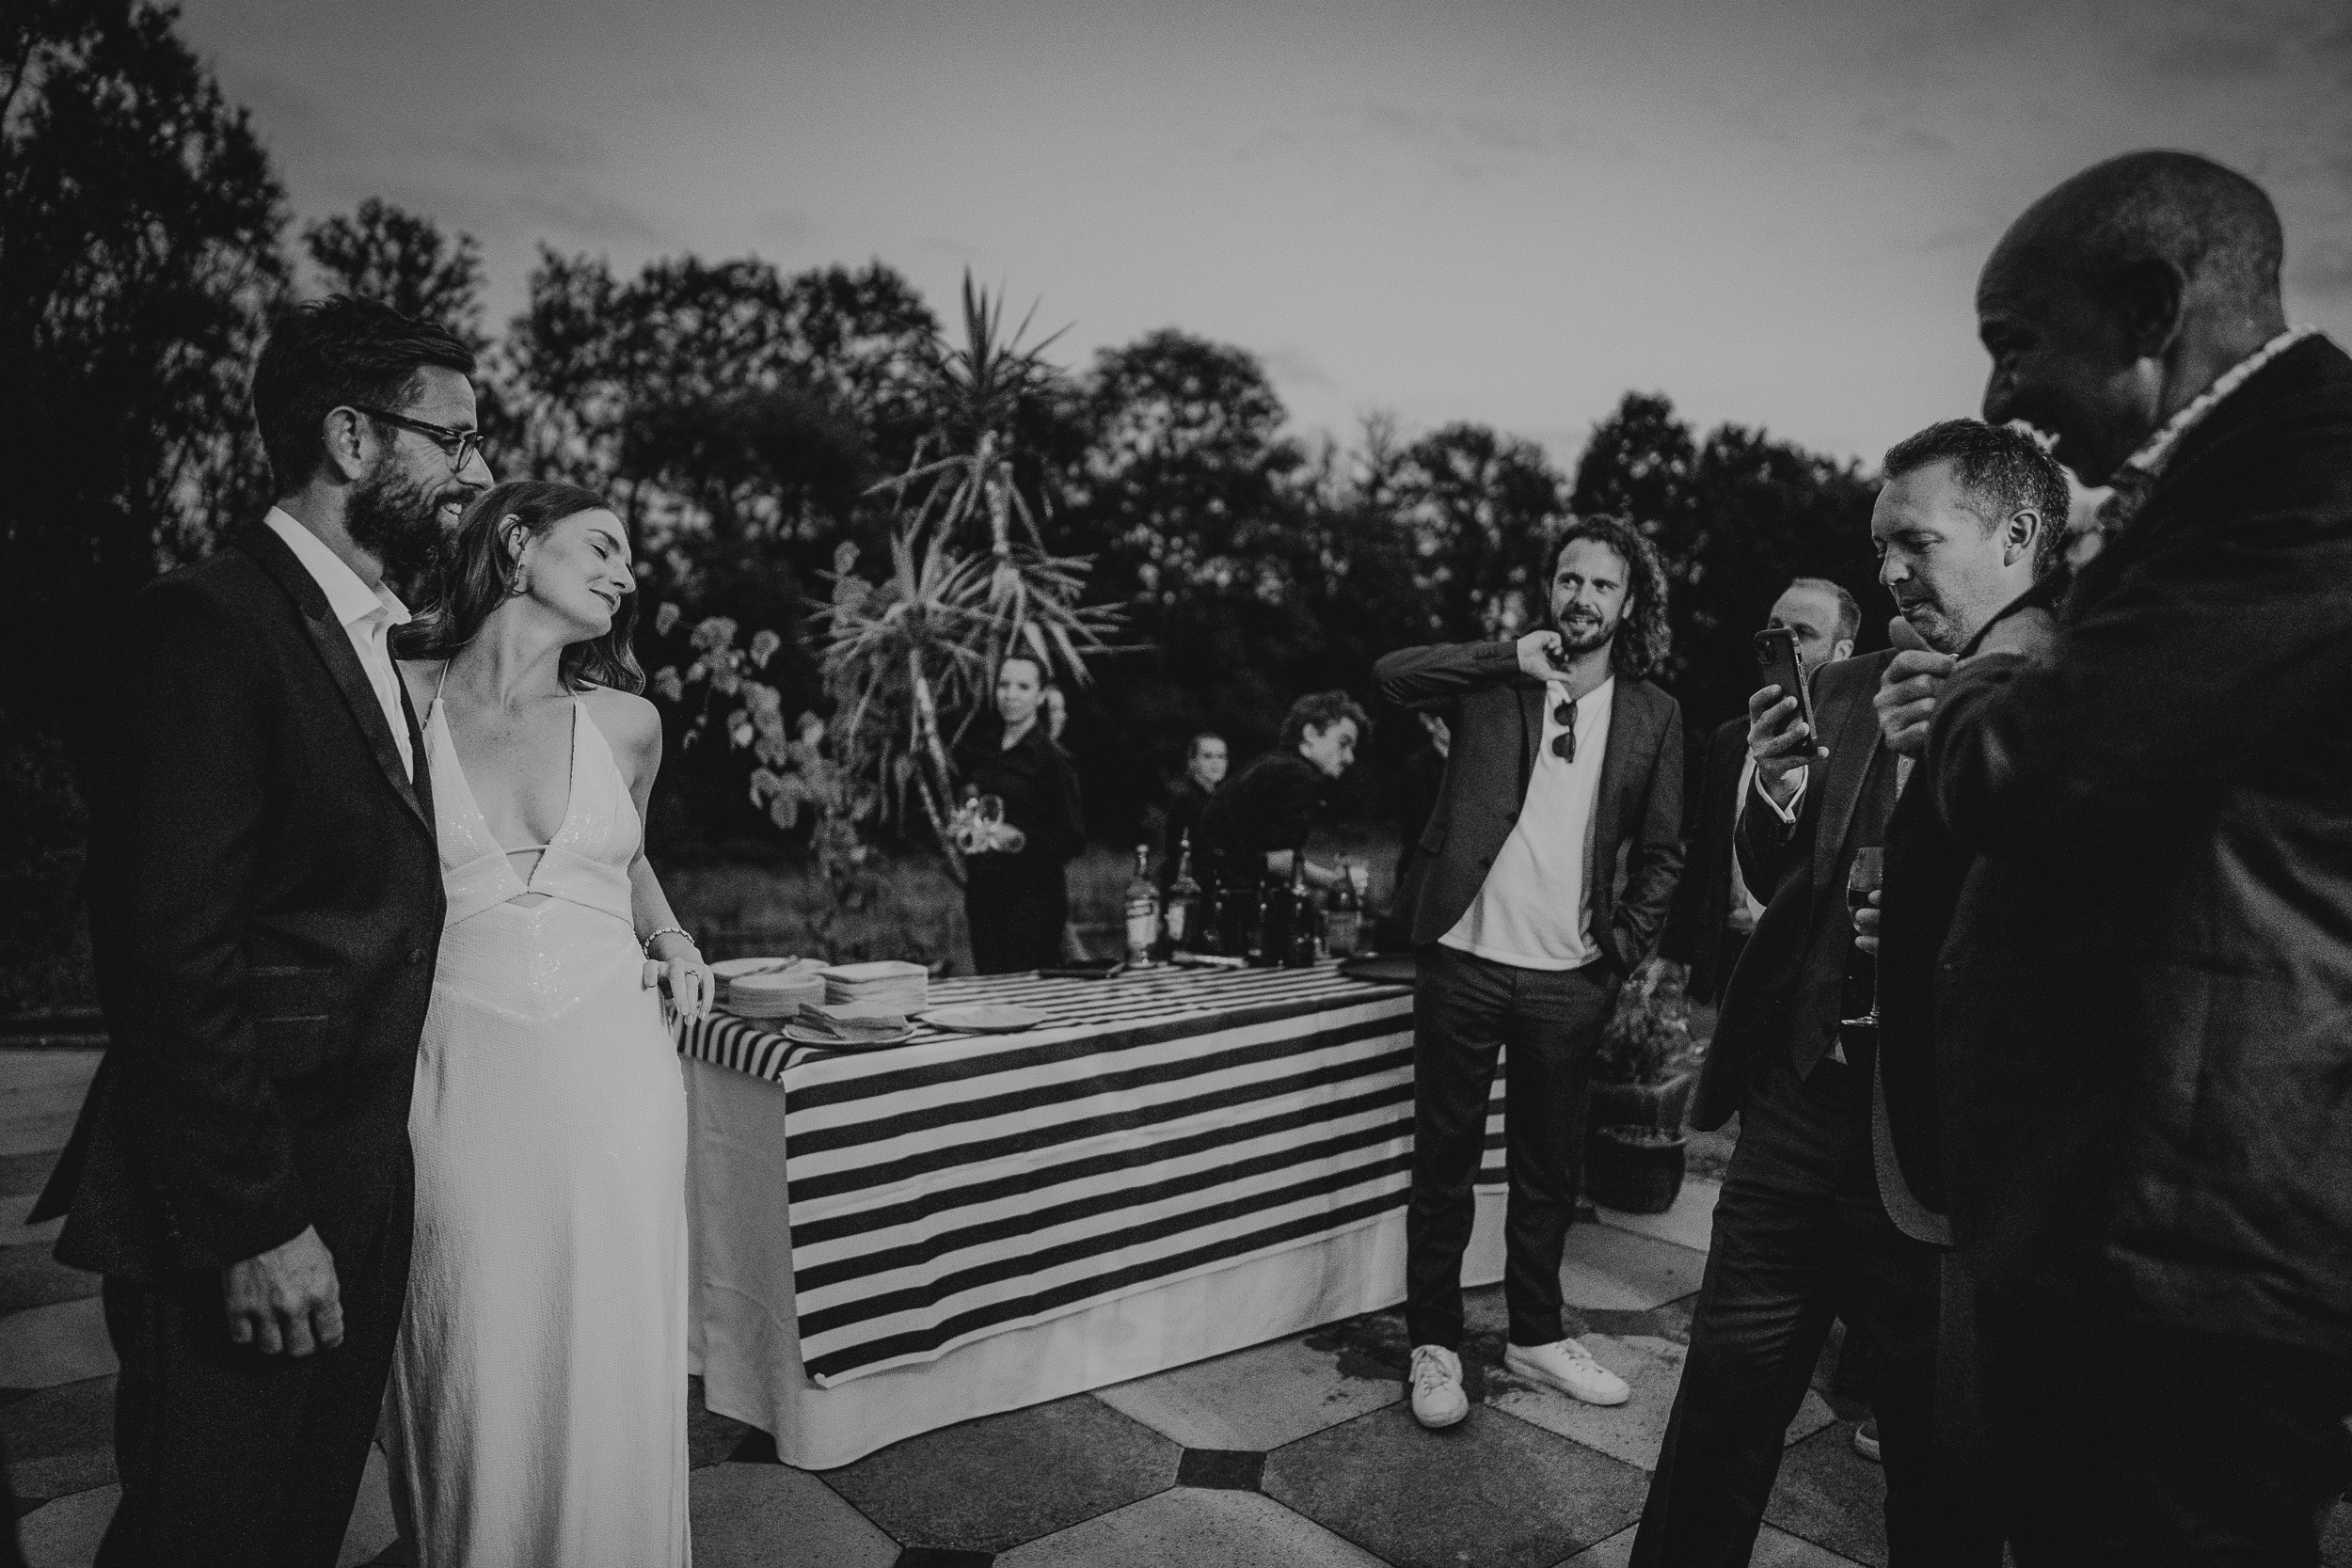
(850, 1020)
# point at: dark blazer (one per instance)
(1696, 928)
(265, 906)
(1789, 989)
(2145, 1004)
(1496, 718)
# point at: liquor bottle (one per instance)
(1143, 911)
(1298, 951)
(1208, 921)
(1343, 916)
(1181, 919)
(1269, 931)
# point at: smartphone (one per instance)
(1779, 663)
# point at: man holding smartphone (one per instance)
(1814, 1222)
(1551, 858)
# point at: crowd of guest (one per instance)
(2031, 937)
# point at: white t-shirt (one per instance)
(366, 615)
(1533, 910)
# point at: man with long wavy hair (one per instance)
(1549, 863)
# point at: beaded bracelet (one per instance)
(647, 945)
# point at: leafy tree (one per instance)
(386, 253)
(140, 225)
(1477, 508)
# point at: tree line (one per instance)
(740, 417)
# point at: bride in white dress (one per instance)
(537, 1411)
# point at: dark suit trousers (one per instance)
(2131, 1447)
(228, 1455)
(1465, 1010)
(1800, 1239)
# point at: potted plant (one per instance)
(1641, 1079)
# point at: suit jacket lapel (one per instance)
(1856, 735)
(333, 645)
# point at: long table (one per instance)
(1177, 1163)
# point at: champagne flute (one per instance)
(1867, 876)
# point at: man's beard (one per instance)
(1934, 625)
(1582, 637)
(396, 520)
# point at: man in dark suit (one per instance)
(1814, 1221)
(265, 906)
(1715, 910)
(2142, 1006)
(1550, 860)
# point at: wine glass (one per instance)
(1867, 876)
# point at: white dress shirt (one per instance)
(1534, 910)
(368, 617)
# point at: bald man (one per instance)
(2143, 1004)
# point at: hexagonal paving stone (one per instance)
(1774, 1549)
(46, 1346)
(989, 1484)
(1606, 1267)
(1189, 1528)
(774, 1516)
(1491, 1491)
(1632, 1430)
(1830, 1494)
(1260, 1397)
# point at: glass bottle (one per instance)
(1270, 928)
(1298, 951)
(1143, 911)
(1208, 923)
(1182, 920)
(1343, 915)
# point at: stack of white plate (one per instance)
(768, 988)
(901, 988)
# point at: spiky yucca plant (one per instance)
(910, 656)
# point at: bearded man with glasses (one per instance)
(1550, 862)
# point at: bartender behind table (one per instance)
(1016, 903)
(1256, 821)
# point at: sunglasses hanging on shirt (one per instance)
(1563, 744)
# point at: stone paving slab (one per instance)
(990, 1484)
(46, 1346)
(1690, 1223)
(1614, 1269)
(30, 1277)
(1774, 1549)
(15, 1233)
(1260, 1397)
(1833, 1497)
(1493, 1491)
(1189, 1528)
(774, 1516)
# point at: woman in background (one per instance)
(1015, 901)
(537, 1413)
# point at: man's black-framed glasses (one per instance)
(461, 446)
(1563, 744)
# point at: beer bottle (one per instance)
(1343, 919)
(1182, 920)
(1298, 950)
(1143, 911)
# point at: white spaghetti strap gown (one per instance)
(537, 1413)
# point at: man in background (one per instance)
(1814, 1221)
(1715, 910)
(1205, 760)
(1552, 856)
(2141, 1005)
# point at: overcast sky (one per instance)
(1511, 213)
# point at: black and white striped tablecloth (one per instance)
(1160, 1125)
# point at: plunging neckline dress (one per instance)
(537, 1412)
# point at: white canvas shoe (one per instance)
(1437, 1378)
(1569, 1367)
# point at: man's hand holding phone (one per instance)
(1780, 741)
(1539, 655)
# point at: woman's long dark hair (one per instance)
(474, 576)
(1642, 635)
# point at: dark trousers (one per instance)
(228, 1455)
(1465, 1010)
(2160, 1447)
(1016, 921)
(1800, 1239)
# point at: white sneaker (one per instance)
(1437, 1378)
(1569, 1367)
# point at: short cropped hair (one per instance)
(1192, 747)
(1643, 635)
(1849, 608)
(333, 354)
(2004, 471)
(1321, 710)
(2218, 228)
